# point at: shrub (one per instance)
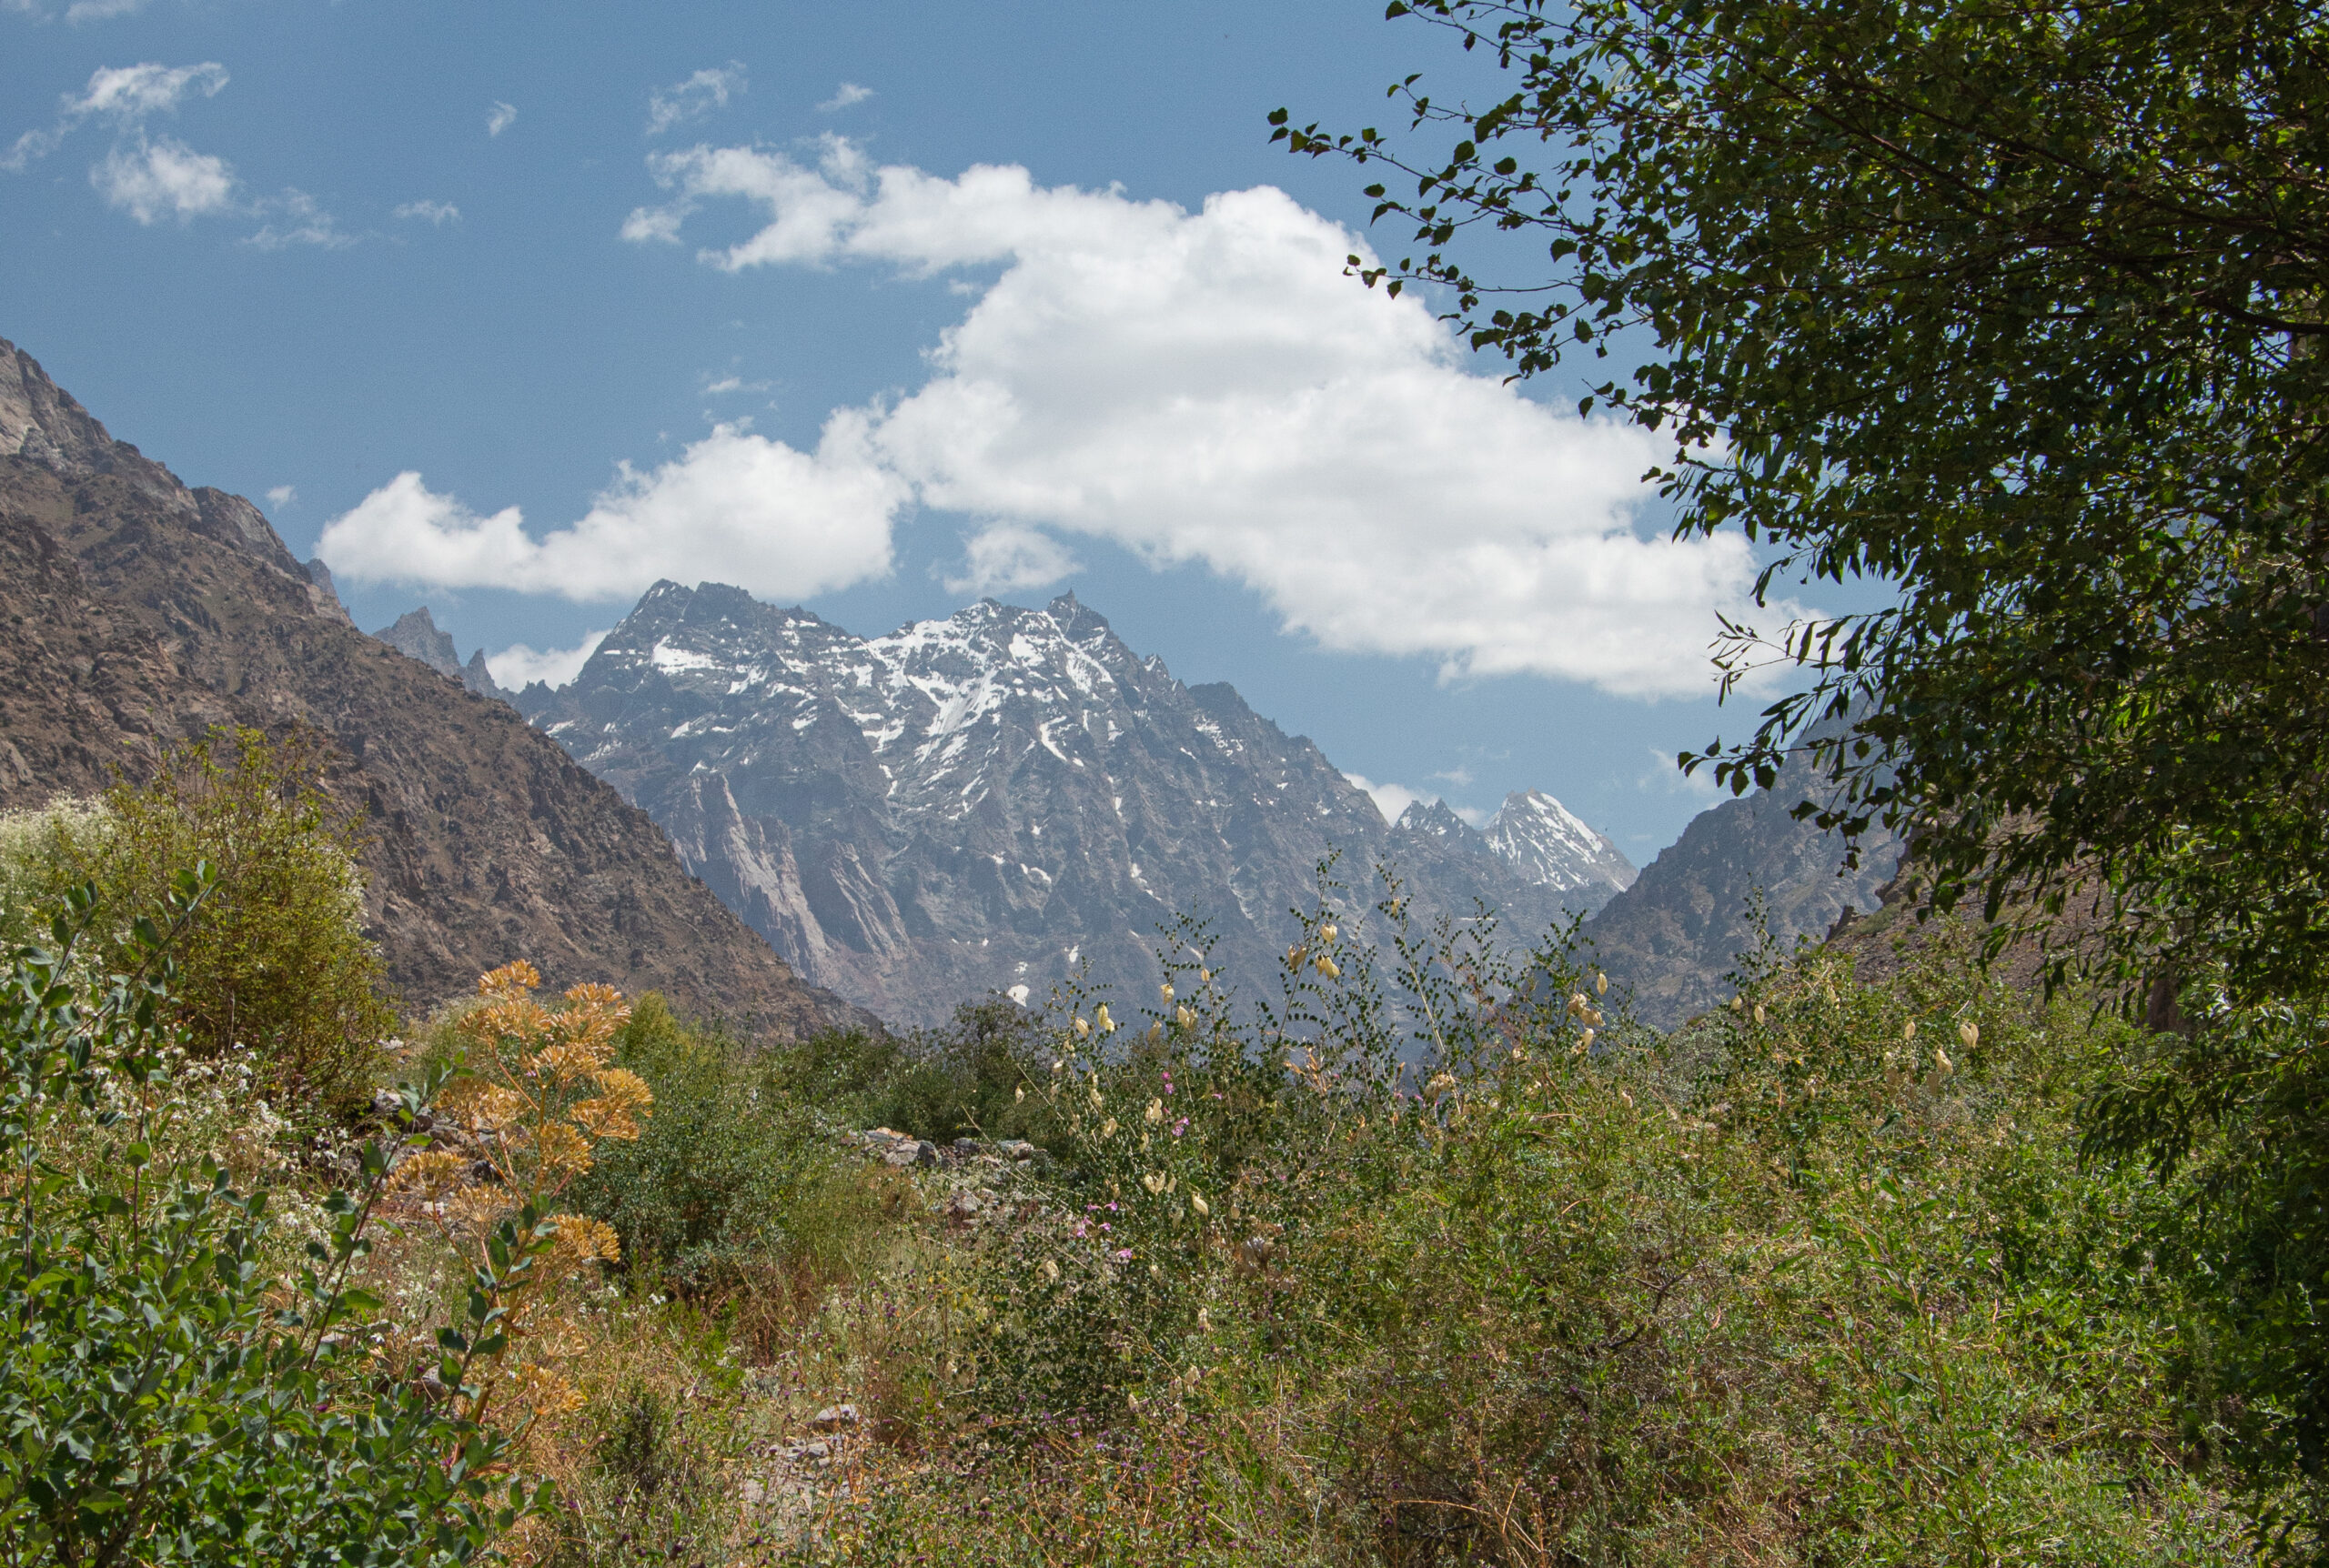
(276, 959)
(170, 1392)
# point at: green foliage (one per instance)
(170, 1394)
(1824, 1282)
(2011, 308)
(705, 1191)
(943, 1083)
(276, 959)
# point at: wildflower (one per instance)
(1184, 1018)
(1969, 1034)
(1166, 990)
(1153, 1181)
(1584, 1040)
(1083, 1027)
(1600, 985)
(1196, 1201)
(1328, 933)
(1328, 968)
(1293, 957)
(1578, 1004)
(1593, 1017)
(1154, 1114)
(1100, 1017)
(1205, 975)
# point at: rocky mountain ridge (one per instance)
(991, 800)
(135, 612)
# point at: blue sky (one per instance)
(882, 306)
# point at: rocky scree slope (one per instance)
(991, 800)
(135, 612)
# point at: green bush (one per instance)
(276, 959)
(170, 1392)
(963, 1078)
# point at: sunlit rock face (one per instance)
(1003, 797)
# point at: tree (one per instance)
(2012, 303)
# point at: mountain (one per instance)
(138, 612)
(988, 800)
(415, 635)
(1678, 930)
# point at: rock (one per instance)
(963, 1206)
(969, 1146)
(833, 1418)
(912, 1151)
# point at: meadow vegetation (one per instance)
(1430, 1256)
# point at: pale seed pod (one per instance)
(1205, 1321)
(1166, 990)
(1761, 1017)
(1154, 1114)
(1155, 1182)
(1108, 1128)
(1327, 933)
(1969, 1033)
(1051, 1271)
(1082, 1026)
(1600, 985)
(1330, 969)
(1100, 1017)
(1584, 1040)
(1184, 1018)
(1197, 1202)
(1021, 1093)
(1738, 1004)
(1909, 1030)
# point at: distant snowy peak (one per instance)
(1551, 846)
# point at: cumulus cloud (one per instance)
(501, 118)
(1389, 799)
(516, 667)
(1006, 558)
(775, 520)
(693, 99)
(439, 213)
(282, 495)
(1210, 387)
(163, 177)
(124, 95)
(847, 95)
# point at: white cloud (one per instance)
(102, 10)
(776, 521)
(516, 667)
(500, 118)
(693, 99)
(847, 95)
(295, 218)
(439, 212)
(1005, 559)
(1389, 799)
(152, 180)
(1666, 777)
(282, 495)
(1459, 776)
(124, 95)
(1210, 387)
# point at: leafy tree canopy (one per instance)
(2012, 304)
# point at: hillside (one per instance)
(1678, 930)
(140, 612)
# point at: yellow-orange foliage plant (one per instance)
(536, 1094)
